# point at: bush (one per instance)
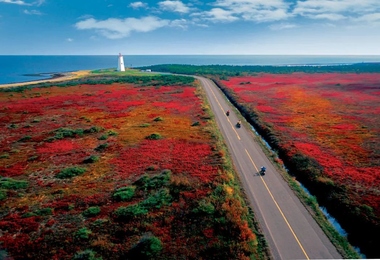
(205, 207)
(67, 132)
(101, 147)
(124, 194)
(94, 129)
(83, 233)
(158, 119)
(195, 123)
(3, 194)
(157, 200)
(145, 125)
(9, 183)
(91, 212)
(4, 156)
(130, 211)
(112, 133)
(155, 182)
(25, 138)
(153, 136)
(103, 137)
(91, 159)
(70, 172)
(44, 212)
(147, 248)
(86, 255)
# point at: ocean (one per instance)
(26, 68)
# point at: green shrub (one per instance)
(70, 172)
(154, 182)
(124, 194)
(67, 132)
(86, 255)
(101, 147)
(83, 233)
(195, 123)
(32, 158)
(4, 156)
(9, 183)
(158, 119)
(103, 137)
(25, 138)
(94, 129)
(130, 211)
(145, 125)
(154, 136)
(147, 248)
(29, 214)
(91, 159)
(3, 194)
(205, 207)
(44, 212)
(157, 200)
(91, 212)
(112, 133)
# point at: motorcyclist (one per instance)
(263, 169)
(228, 112)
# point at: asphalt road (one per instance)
(288, 227)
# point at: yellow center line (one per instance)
(232, 126)
(278, 207)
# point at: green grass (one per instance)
(127, 72)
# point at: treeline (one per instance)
(151, 80)
(231, 70)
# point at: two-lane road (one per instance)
(290, 230)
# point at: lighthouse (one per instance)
(120, 65)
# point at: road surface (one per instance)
(288, 227)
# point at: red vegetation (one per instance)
(331, 118)
(103, 129)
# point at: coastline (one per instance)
(57, 77)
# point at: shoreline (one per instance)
(56, 77)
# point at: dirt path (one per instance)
(67, 76)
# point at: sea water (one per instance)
(15, 68)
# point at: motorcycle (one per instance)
(227, 113)
(238, 124)
(262, 171)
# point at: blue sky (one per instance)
(64, 27)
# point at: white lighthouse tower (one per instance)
(120, 65)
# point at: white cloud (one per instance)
(328, 16)
(335, 10)
(181, 23)
(32, 12)
(136, 5)
(217, 15)
(17, 2)
(69, 39)
(119, 28)
(249, 10)
(174, 6)
(282, 26)
(39, 2)
(374, 17)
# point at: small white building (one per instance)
(120, 65)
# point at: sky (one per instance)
(258, 27)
